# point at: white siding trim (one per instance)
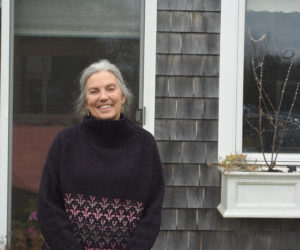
(240, 76)
(228, 77)
(149, 63)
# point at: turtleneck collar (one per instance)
(110, 133)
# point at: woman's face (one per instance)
(104, 98)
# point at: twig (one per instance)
(264, 102)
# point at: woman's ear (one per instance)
(123, 99)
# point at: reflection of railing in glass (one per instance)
(269, 114)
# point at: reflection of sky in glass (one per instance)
(273, 5)
(279, 20)
(56, 18)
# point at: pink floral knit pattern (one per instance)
(102, 224)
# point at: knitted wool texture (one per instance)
(102, 188)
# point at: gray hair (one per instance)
(95, 67)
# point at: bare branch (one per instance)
(280, 127)
(251, 125)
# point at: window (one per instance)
(50, 43)
(52, 47)
(278, 24)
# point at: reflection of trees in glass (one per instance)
(275, 70)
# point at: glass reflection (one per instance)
(54, 41)
(279, 23)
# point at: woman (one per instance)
(102, 185)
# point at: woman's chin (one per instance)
(107, 115)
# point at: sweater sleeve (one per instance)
(52, 218)
(144, 235)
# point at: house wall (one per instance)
(186, 127)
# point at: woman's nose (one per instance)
(103, 96)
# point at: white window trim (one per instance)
(149, 63)
(5, 118)
(6, 101)
(231, 84)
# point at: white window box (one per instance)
(260, 195)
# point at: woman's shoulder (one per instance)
(143, 134)
(68, 134)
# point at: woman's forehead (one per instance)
(102, 78)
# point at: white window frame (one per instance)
(231, 85)
(149, 64)
(5, 117)
(149, 70)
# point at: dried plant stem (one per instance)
(285, 126)
(251, 125)
(274, 151)
(264, 102)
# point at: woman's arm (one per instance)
(52, 218)
(144, 235)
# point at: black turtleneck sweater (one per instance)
(102, 188)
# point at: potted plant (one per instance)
(264, 190)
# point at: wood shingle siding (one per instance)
(186, 126)
(187, 87)
(187, 152)
(188, 43)
(187, 65)
(186, 108)
(186, 130)
(190, 175)
(188, 22)
(218, 240)
(186, 175)
(187, 219)
(193, 152)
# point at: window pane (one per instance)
(73, 18)
(272, 36)
(54, 41)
